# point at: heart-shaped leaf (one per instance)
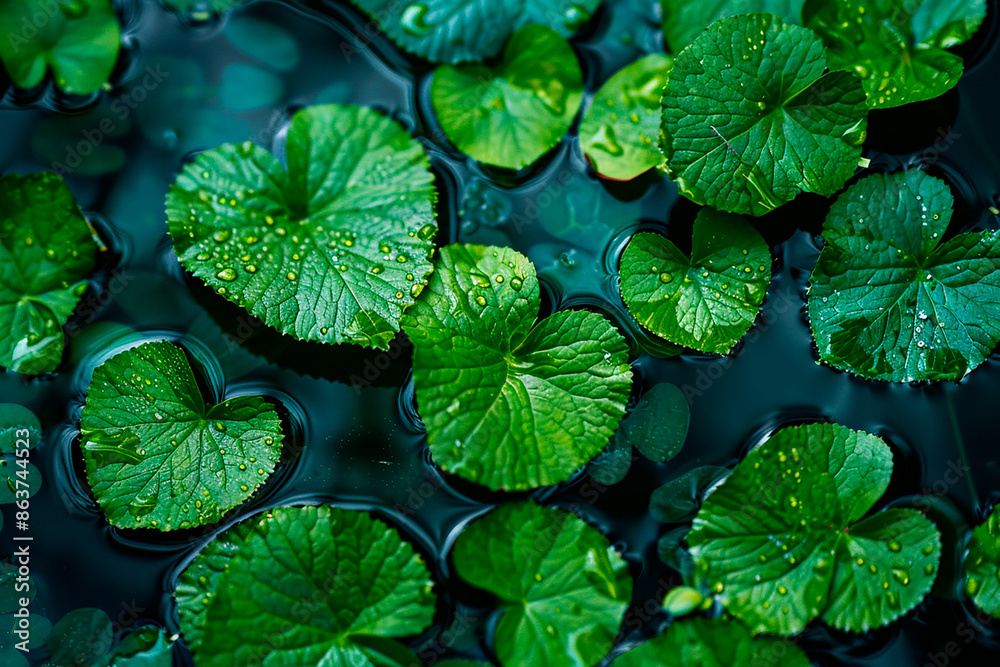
(333, 249)
(563, 587)
(706, 301)
(751, 117)
(982, 565)
(890, 298)
(683, 20)
(507, 403)
(785, 540)
(511, 115)
(157, 456)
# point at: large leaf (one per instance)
(890, 298)
(314, 586)
(782, 541)
(898, 48)
(46, 258)
(334, 249)
(619, 132)
(699, 642)
(706, 301)
(563, 587)
(511, 115)
(683, 20)
(508, 403)
(157, 456)
(982, 565)
(78, 41)
(452, 31)
(751, 117)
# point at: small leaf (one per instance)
(10, 597)
(658, 425)
(146, 646)
(78, 41)
(982, 565)
(611, 466)
(782, 541)
(707, 301)
(333, 249)
(684, 20)
(496, 389)
(309, 586)
(678, 500)
(700, 642)
(17, 474)
(890, 298)
(619, 132)
(80, 638)
(18, 423)
(46, 257)
(512, 115)
(898, 48)
(673, 553)
(682, 600)
(775, 124)
(157, 456)
(563, 587)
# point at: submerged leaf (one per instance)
(564, 589)
(982, 565)
(510, 403)
(890, 298)
(658, 425)
(157, 456)
(81, 637)
(751, 117)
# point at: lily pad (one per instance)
(982, 565)
(707, 301)
(683, 20)
(158, 456)
(334, 248)
(510, 403)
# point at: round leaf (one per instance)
(81, 637)
(982, 565)
(495, 389)
(157, 456)
(889, 298)
(619, 132)
(708, 301)
(658, 425)
(15, 418)
(514, 114)
(563, 587)
(751, 117)
(146, 646)
(10, 597)
(334, 249)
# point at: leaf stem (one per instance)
(960, 443)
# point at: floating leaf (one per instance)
(684, 20)
(10, 597)
(46, 256)
(310, 586)
(751, 117)
(678, 500)
(982, 565)
(898, 48)
(700, 642)
(157, 456)
(512, 115)
(619, 132)
(658, 425)
(611, 465)
(509, 403)
(81, 637)
(19, 428)
(563, 587)
(334, 249)
(708, 301)
(890, 298)
(783, 540)
(78, 41)
(146, 646)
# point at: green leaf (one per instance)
(15, 473)
(889, 298)
(511, 115)
(612, 465)
(202, 10)
(18, 423)
(898, 48)
(509, 403)
(46, 258)
(619, 132)
(700, 642)
(313, 585)
(678, 500)
(10, 595)
(782, 541)
(563, 588)
(707, 301)
(658, 425)
(78, 41)
(158, 456)
(39, 629)
(684, 20)
(982, 565)
(80, 638)
(146, 646)
(334, 249)
(751, 117)
(452, 31)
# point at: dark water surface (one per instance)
(355, 437)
